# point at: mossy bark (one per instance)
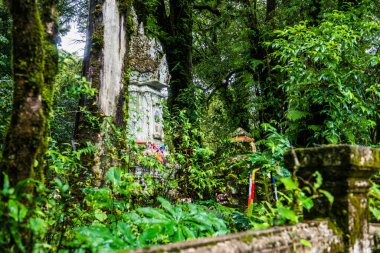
(90, 125)
(178, 48)
(49, 16)
(88, 122)
(177, 44)
(122, 113)
(260, 73)
(34, 68)
(84, 130)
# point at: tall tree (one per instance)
(106, 67)
(230, 57)
(333, 99)
(34, 67)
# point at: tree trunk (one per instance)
(106, 67)
(271, 7)
(49, 17)
(25, 142)
(177, 41)
(175, 25)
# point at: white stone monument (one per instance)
(149, 81)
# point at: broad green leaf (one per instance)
(188, 233)
(114, 176)
(328, 195)
(22, 211)
(294, 115)
(306, 243)
(151, 233)
(65, 188)
(38, 226)
(100, 215)
(166, 205)
(287, 214)
(13, 209)
(178, 236)
(375, 212)
(155, 221)
(152, 212)
(306, 202)
(125, 230)
(58, 182)
(170, 228)
(289, 183)
(318, 180)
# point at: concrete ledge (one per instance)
(276, 240)
(336, 161)
(346, 171)
(375, 240)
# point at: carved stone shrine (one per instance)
(149, 78)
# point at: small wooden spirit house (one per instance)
(243, 141)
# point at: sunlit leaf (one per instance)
(100, 215)
(289, 183)
(306, 243)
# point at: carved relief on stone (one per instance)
(146, 111)
(158, 133)
(148, 86)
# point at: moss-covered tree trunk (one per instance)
(257, 53)
(178, 47)
(5, 71)
(49, 17)
(25, 142)
(110, 80)
(85, 130)
(88, 121)
(176, 22)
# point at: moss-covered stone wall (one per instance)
(275, 240)
(346, 171)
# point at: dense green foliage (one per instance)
(293, 73)
(5, 45)
(69, 86)
(331, 78)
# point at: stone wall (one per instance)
(346, 171)
(274, 240)
(374, 230)
(279, 239)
